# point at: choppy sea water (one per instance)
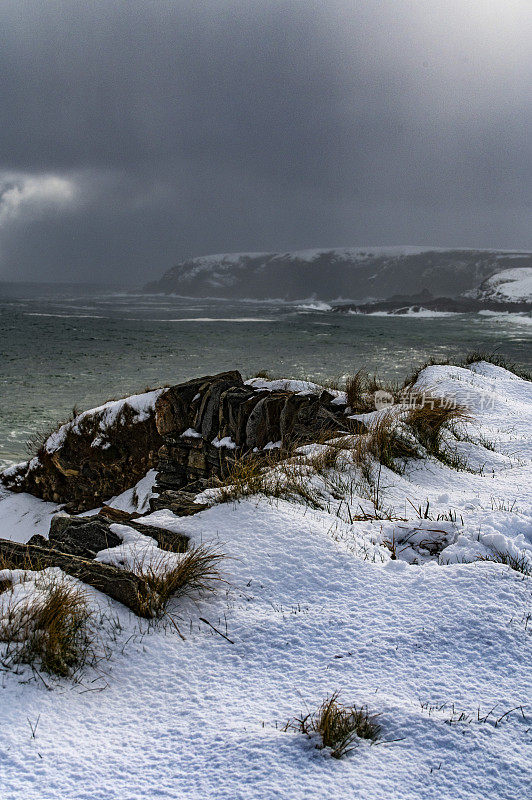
(66, 346)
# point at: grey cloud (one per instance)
(188, 128)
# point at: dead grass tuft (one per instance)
(360, 389)
(385, 443)
(50, 630)
(328, 456)
(196, 573)
(430, 416)
(338, 726)
(288, 479)
(244, 479)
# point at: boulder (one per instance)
(231, 414)
(179, 502)
(98, 454)
(264, 422)
(207, 420)
(177, 408)
(81, 536)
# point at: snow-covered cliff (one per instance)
(510, 285)
(327, 274)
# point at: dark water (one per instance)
(61, 347)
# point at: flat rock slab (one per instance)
(85, 537)
(119, 584)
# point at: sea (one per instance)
(66, 346)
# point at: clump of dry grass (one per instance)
(385, 442)
(338, 726)
(328, 456)
(195, 573)
(243, 479)
(360, 389)
(430, 416)
(357, 389)
(291, 481)
(288, 479)
(50, 630)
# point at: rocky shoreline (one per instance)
(191, 433)
(424, 301)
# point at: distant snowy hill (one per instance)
(510, 285)
(351, 273)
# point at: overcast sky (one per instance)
(136, 133)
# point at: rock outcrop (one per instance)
(209, 423)
(86, 536)
(120, 584)
(98, 454)
(193, 433)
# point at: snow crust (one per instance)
(314, 603)
(138, 497)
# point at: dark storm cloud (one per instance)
(135, 133)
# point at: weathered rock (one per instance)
(81, 536)
(228, 419)
(98, 454)
(242, 414)
(176, 409)
(191, 459)
(119, 584)
(116, 514)
(263, 423)
(223, 408)
(180, 503)
(87, 536)
(231, 419)
(207, 418)
(166, 539)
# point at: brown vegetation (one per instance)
(50, 629)
(338, 726)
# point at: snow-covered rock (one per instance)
(510, 285)
(99, 452)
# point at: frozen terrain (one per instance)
(514, 285)
(434, 640)
(354, 273)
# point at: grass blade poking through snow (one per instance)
(337, 726)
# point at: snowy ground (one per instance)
(313, 604)
(513, 285)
